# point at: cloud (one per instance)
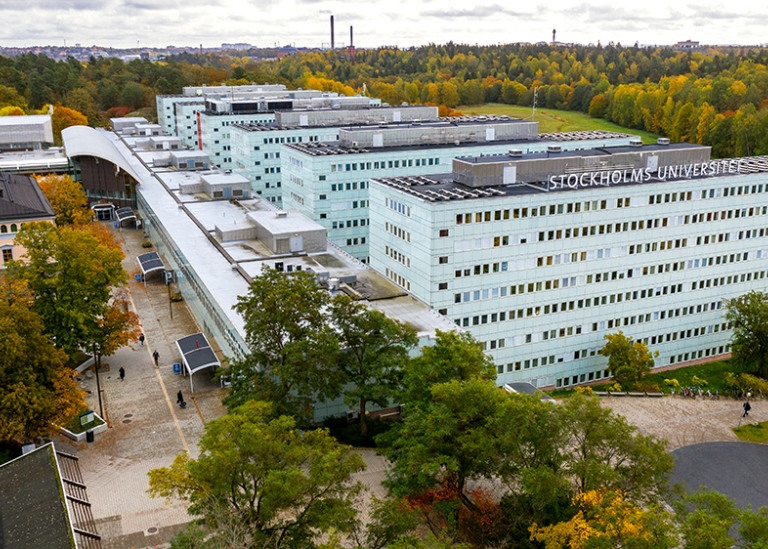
(476, 12)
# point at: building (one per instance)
(540, 256)
(256, 148)
(21, 201)
(214, 242)
(19, 133)
(179, 115)
(328, 181)
(44, 503)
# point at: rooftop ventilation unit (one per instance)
(663, 141)
(516, 153)
(554, 149)
(635, 142)
(281, 215)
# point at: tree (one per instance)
(292, 347)
(748, 317)
(64, 117)
(36, 388)
(373, 350)
(71, 273)
(628, 360)
(454, 356)
(67, 198)
(608, 520)
(265, 481)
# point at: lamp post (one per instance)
(96, 361)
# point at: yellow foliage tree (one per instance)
(67, 198)
(607, 520)
(64, 117)
(11, 111)
(37, 389)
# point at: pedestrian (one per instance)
(156, 356)
(179, 398)
(141, 339)
(747, 408)
(121, 371)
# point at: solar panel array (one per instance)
(581, 135)
(417, 186)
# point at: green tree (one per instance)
(628, 360)
(263, 482)
(36, 388)
(705, 519)
(71, 272)
(454, 356)
(373, 350)
(292, 347)
(748, 317)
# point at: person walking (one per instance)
(156, 356)
(179, 398)
(747, 407)
(141, 339)
(121, 371)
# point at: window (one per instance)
(443, 233)
(7, 254)
(442, 286)
(443, 260)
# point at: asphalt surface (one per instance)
(736, 469)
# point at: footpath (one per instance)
(147, 429)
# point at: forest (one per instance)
(715, 97)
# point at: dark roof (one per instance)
(33, 512)
(197, 353)
(21, 198)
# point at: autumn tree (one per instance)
(372, 352)
(292, 346)
(628, 360)
(72, 274)
(260, 482)
(64, 117)
(36, 387)
(67, 198)
(748, 317)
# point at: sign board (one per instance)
(86, 417)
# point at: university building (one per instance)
(256, 148)
(541, 255)
(328, 181)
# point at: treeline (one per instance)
(714, 97)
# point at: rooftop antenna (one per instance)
(535, 97)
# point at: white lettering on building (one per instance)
(642, 175)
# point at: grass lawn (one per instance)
(552, 120)
(712, 372)
(753, 433)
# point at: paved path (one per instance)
(147, 428)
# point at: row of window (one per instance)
(398, 279)
(352, 186)
(13, 228)
(356, 241)
(384, 164)
(402, 234)
(349, 223)
(397, 256)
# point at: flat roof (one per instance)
(328, 148)
(444, 187)
(190, 222)
(25, 119)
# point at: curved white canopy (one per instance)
(87, 141)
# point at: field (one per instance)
(551, 120)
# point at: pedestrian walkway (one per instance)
(147, 428)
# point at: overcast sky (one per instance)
(159, 23)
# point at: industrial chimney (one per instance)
(333, 40)
(351, 44)
(553, 35)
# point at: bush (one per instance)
(175, 298)
(146, 244)
(698, 382)
(672, 383)
(647, 387)
(585, 390)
